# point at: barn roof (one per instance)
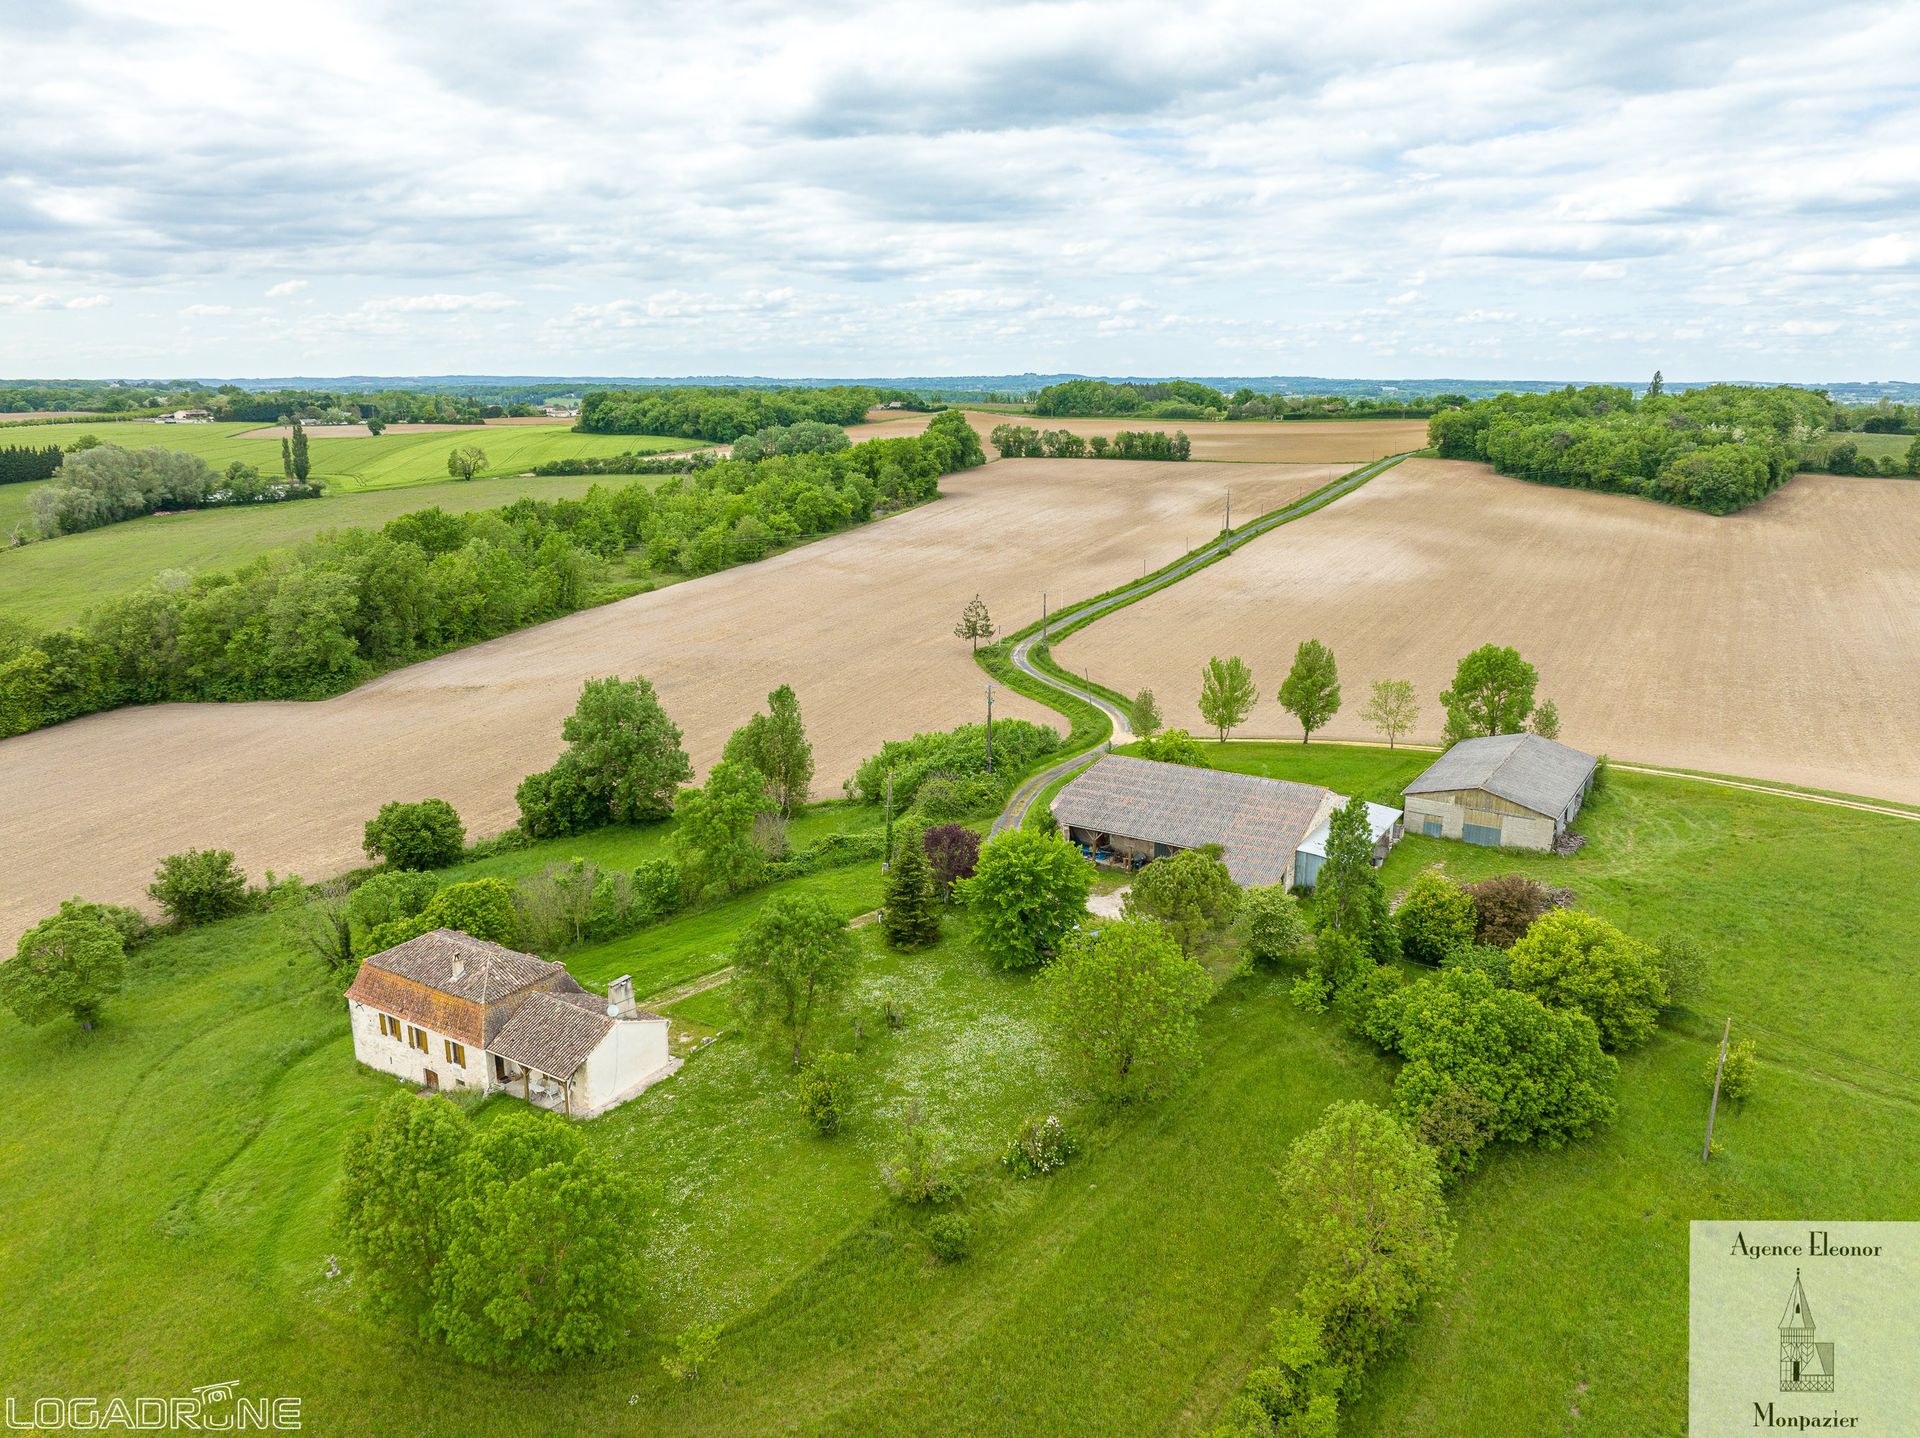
(1259, 823)
(553, 1032)
(1523, 769)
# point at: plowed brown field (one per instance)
(1782, 643)
(861, 624)
(1251, 441)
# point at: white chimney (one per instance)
(620, 997)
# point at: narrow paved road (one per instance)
(1015, 814)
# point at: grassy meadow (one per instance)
(167, 1178)
(353, 464)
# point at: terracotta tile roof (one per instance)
(415, 1002)
(462, 966)
(1260, 823)
(553, 1032)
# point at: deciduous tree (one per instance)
(1492, 693)
(1546, 720)
(398, 1182)
(1226, 694)
(1311, 690)
(776, 744)
(1362, 1197)
(622, 765)
(301, 464)
(952, 850)
(1124, 1005)
(1028, 890)
(1436, 919)
(792, 963)
(1192, 895)
(1144, 715)
(426, 835)
(715, 832)
(1277, 931)
(466, 461)
(1349, 898)
(1392, 708)
(1174, 746)
(1573, 960)
(65, 965)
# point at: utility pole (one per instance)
(1043, 617)
(1706, 1150)
(1229, 511)
(989, 728)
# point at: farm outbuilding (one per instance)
(1129, 812)
(1516, 791)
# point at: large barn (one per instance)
(1517, 791)
(1130, 812)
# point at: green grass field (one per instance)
(55, 581)
(166, 1180)
(351, 465)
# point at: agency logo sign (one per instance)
(1764, 1359)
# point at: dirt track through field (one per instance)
(1251, 441)
(860, 624)
(1781, 643)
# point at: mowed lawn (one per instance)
(352, 464)
(54, 581)
(166, 1184)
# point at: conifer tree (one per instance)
(911, 919)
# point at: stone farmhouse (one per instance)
(1516, 790)
(1128, 812)
(449, 1011)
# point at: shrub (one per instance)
(482, 908)
(1456, 1124)
(1276, 930)
(1683, 966)
(920, 1170)
(1573, 960)
(1505, 907)
(1028, 891)
(199, 886)
(130, 924)
(658, 889)
(1173, 746)
(943, 798)
(954, 754)
(823, 1090)
(1435, 919)
(950, 1236)
(1736, 1081)
(693, 1349)
(1369, 993)
(1495, 963)
(1041, 1146)
(426, 835)
(1541, 1069)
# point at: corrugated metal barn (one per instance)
(1516, 791)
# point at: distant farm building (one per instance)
(449, 1011)
(1514, 790)
(1129, 812)
(188, 416)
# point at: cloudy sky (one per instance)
(1499, 191)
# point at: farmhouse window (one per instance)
(417, 1038)
(389, 1026)
(456, 1053)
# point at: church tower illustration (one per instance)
(1805, 1366)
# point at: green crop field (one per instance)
(388, 461)
(54, 581)
(168, 1177)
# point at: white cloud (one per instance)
(1119, 188)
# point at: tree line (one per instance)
(23, 465)
(318, 619)
(1719, 448)
(721, 414)
(105, 484)
(1020, 441)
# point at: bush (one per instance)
(1276, 930)
(386, 898)
(1041, 1146)
(1173, 746)
(957, 754)
(659, 889)
(200, 886)
(1435, 919)
(693, 1349)
(1505, 907)
(426, 835)
(823, 1091)
(1736, 1081)
(950, 1236)
(920, 1170)
(1573, 960)
(1495, 963)
(1456, 1124)
(943, 799)
(1683, 966)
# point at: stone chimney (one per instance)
(620, 997)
